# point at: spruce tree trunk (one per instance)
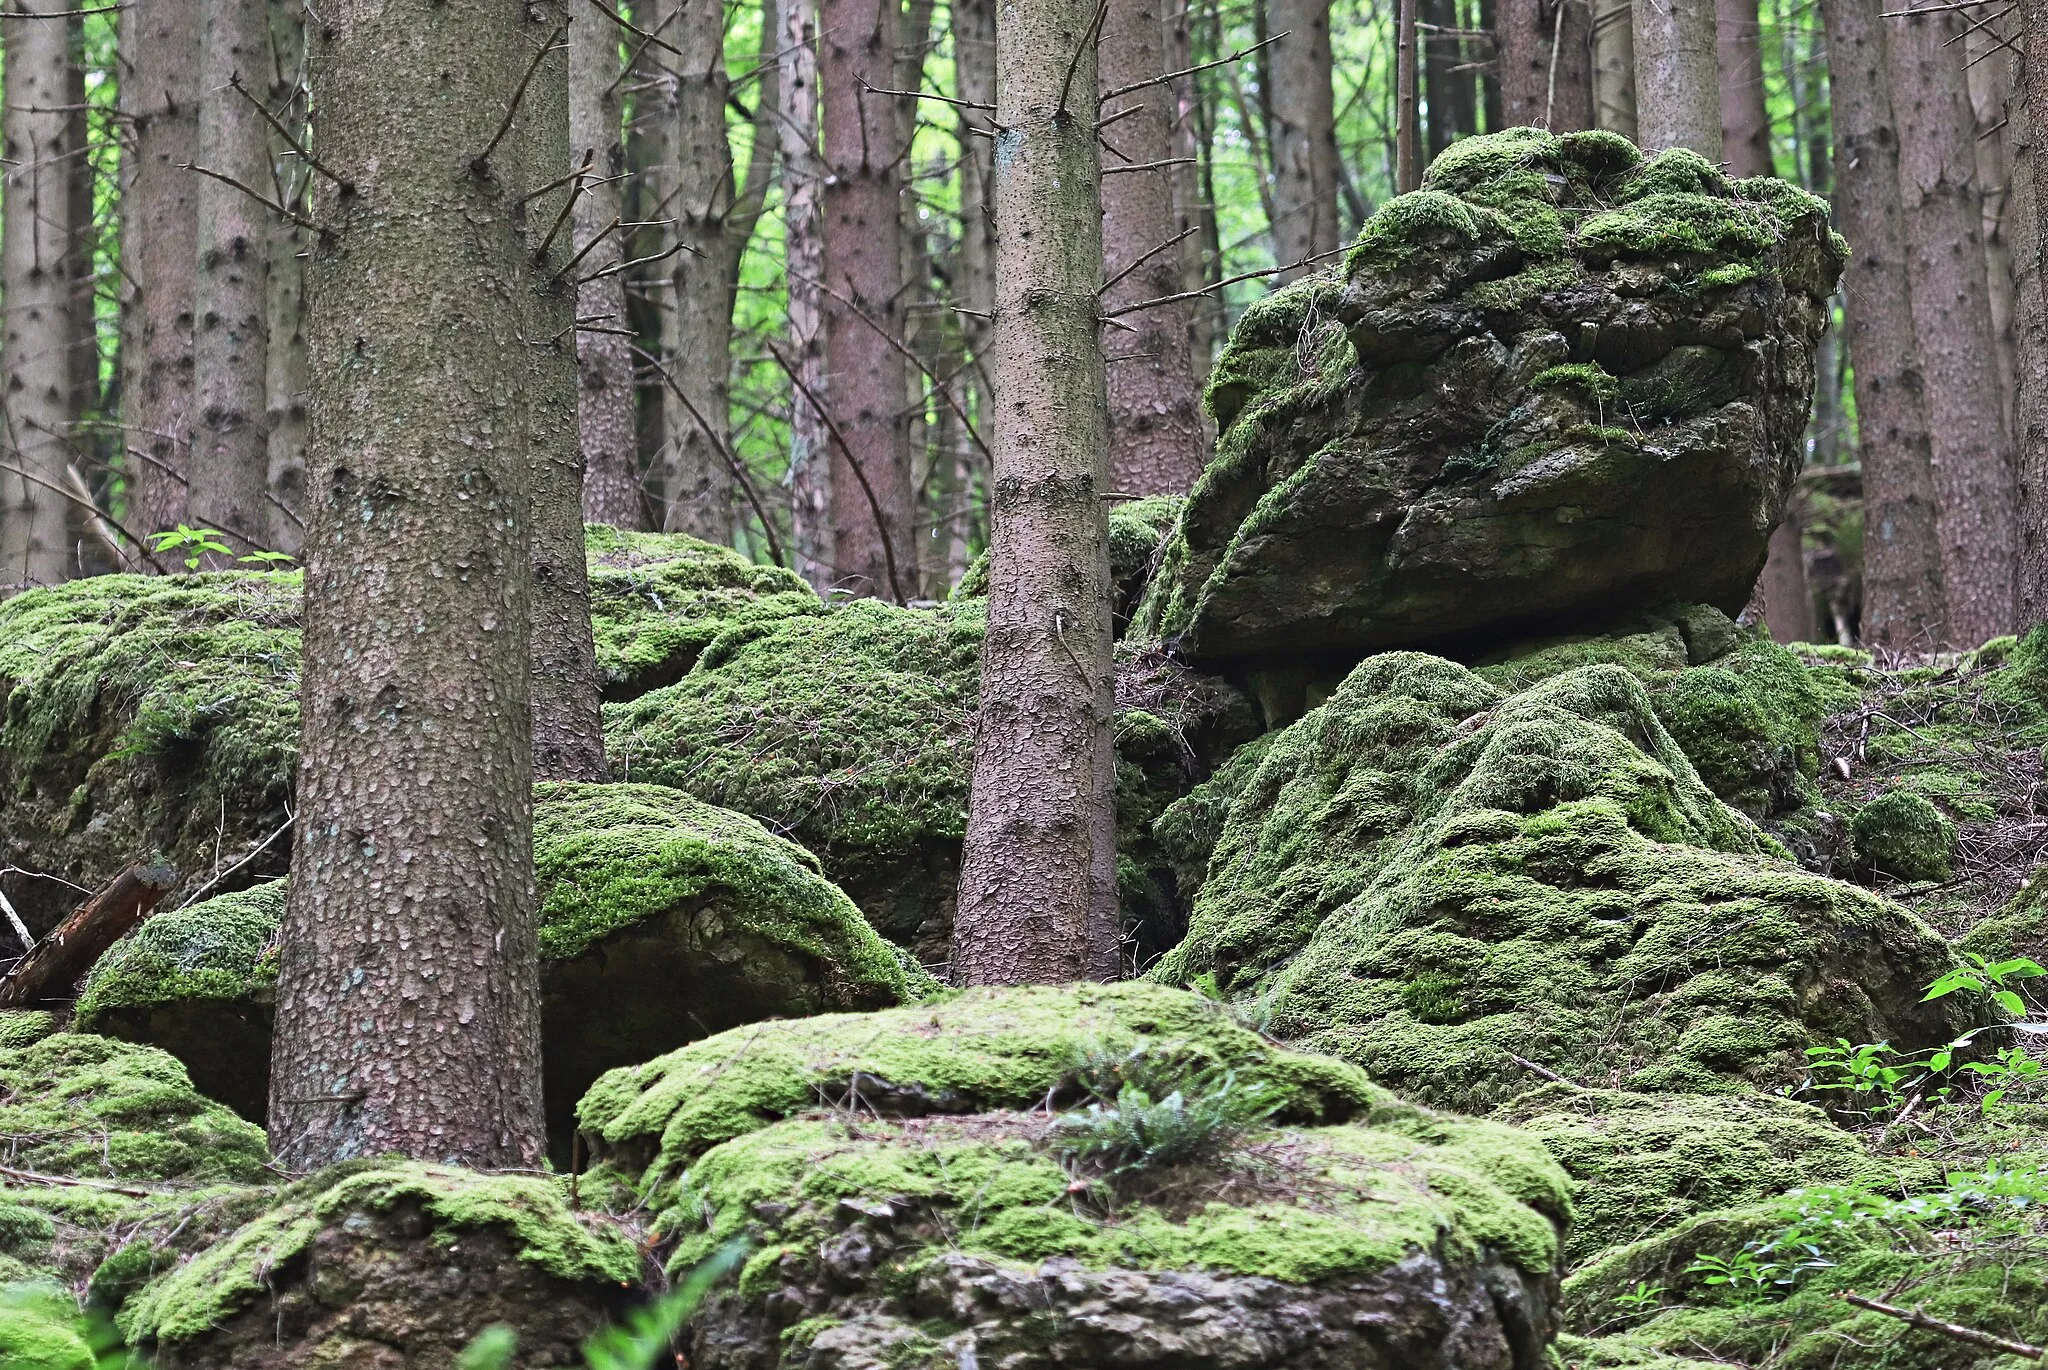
(1156, 442)
(568, 719)
(1739, 61)
(864, 164)
(604, 354)
(285, 379)
(974, 67)
(1303, 130)
(1973, 464)
(1989, 69)
(803, 185)
(2030, 306)
(408, 1006)
(39, 248)
(1678, 96)
(1546, 63)
(1614, 67)
(1903, 599)
(1038, 873)
(159, 243)
(230, 462)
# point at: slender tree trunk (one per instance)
(1973, 464)
(1440, 53)
(1156, 441)
(1678, 95)
(408, 1004)
(1739, 62)
(1407, 145)
(159, 244)
(1989, 69)
(1489, 93)
(1302, 130)
(2030, 304)
(604, 355)
(1903, 602)
(230, 464)
(1788, 604)
(1191, 209)
(39, 245)
(1614, 67)
(1038, 874)
(803, 185)
(285, 379)
(864, 162)
(1546, 63)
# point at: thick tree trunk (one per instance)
(408, 1004)
(1156, 442)
(864, 164)
(2030, 306)
(1678, 96)
(1903, 603)
(803, 185)
(1614, 67)
(39, 249)
(568, 719)
(604, 354)
(159, 243)
(1739, 61)
(1303, 132)
(1989, 69)
(1973, 464)
(1038, 875)
(285, 379)
(1546, 63)
(230, 463)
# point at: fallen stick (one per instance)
(59, 959)
(32, 1177)
(1916, 1318)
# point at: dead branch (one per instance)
(1237, 56)
(1228, 280)
(1176, 238)
(832, 427)
(1092, 35)
(608, 12)
(273, 206)
(1148, 166)
(732, 462)
(1914, 1317)
(32, 1177)
(347, 186)
(59, 959)
(480, 163)
(919, 95)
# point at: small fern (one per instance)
(1154, 1106)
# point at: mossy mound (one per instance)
(1426, 877)
(40, 1330)
(1903, 836)
(145, 714)
(1557, 384)
(657, 600)
(977, 1051)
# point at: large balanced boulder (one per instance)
(1557, 384)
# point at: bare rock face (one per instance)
(1558, 384)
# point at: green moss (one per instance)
(1409, 226)
(1588, 377)
(1187, 829)
(1651, 655)
(219, 949)
(1902, 835)
(1264, 349)
(201, 1293)
(40, 1330)
(23, 1231)
(20, 1027)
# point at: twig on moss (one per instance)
(1914, 1317)
(34, 1177)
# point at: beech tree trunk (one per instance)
(285, 284)
(159, 244)
(1739, 61)
(230, 464)
(408, 1003)
(864, 164)
(1546, 63)
(1678, 95)
(1974, 484)
(1614, 68)
(1303, 132)
(1903, 598)
(2030, 301)
(803, 186)
(1156, 442)
(1038, 873)
(604, 355)
(39, 249)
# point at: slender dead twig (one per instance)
(585, 250)
(273, 206)
(623, 22)
(1237, 56)
(1178, 237)
(832, 427)
(1228, 280)
(33, 1177)
(920, 95)
(540, 254)
(1092, 33)
(480, 163)
(739, 472)
(141, 547)
(1148, 166)
(305, 155)
(616, 267)
(1916, 1318)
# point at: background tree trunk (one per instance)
(1156, 442)
(2030, 300)
(974, 67)
(864, 163)
(285, 379)
(803, 185)
(1449, 89)
(39, 247)
(1989, 70)
(1972, 458)
(159, 243)
(604, 360)
(230, 463)
(1038, 873)
(1302, 133)
(408, 1004)
(1614, 67)
(1546, 63)
(1678, 97)
(1903, 601)
(1739, 62)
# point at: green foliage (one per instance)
(647, 1337)
(197, 544)
(41, 1329)
(1149, 1108)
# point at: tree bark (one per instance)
(2030, 299)
(604, 356)
(39, 280)
(803, 183)
(1156, 442)
(1546, 63)
(1988, 67)
(974, 67)
(1452, 96)
(159, 243)
(1974, 484)
(1038, 873)
(1903, 599)
(408, 1005)
(864, 160)
(1678, 97)
(54, 964)
(1302, 132)
(1739, 62)
(1788, 604)
(230, 463)
(1407, 143)
(1614, 67)
(285, 379)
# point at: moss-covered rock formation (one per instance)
(1558, 383)
(1428, 878)
(39, 1331)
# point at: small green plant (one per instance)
(1642, 1298)
(1876, 1079)
(197, 544)
(1762, 1268)
(1153, 1106)
(649, 1331)
(1992, 978)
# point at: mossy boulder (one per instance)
(394, 1265)
(1902, 836)
(1556, 385)
(40, 1330)
(1427, 877)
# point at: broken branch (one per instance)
(81, 939)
